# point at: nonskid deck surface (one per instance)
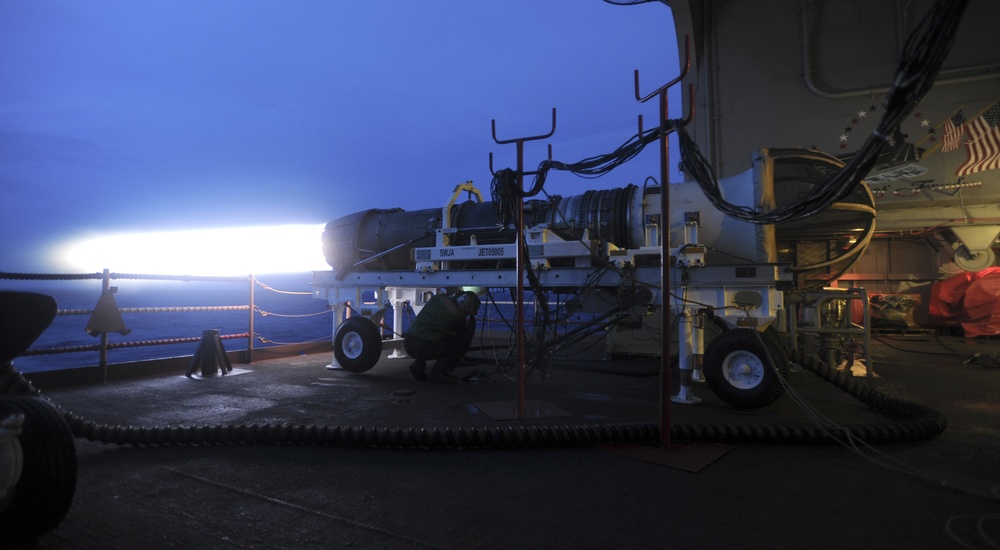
(692, 495)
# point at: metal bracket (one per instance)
(520, 262)
(662, 91)
(520, 147)
(666, 391)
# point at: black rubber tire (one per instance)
(23, 318)
(738, 371)
(44, 493)
(357, 344)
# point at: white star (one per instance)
(925, 122)
(862, 114)
(843, 137)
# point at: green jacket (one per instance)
(440, 318)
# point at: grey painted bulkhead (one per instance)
(814, 73)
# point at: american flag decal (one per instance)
(983, 144)
(954, 127)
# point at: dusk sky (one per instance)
(139, 117)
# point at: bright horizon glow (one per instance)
(211, 252)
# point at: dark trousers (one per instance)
(448, 352)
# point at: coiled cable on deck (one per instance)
(913, 421)
(370, 436)
(910, 421)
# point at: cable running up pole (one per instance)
(665, 129)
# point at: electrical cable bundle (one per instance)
(597, 166)
(503, 193)
(504, 189)
(920, 61)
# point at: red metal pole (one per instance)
(519, 261)
(519, 300)
(665, 389)
(250, 320)
(103, 354)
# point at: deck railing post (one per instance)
(103, 360)
(250, 321)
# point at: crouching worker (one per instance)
(442, 332)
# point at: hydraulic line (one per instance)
(912, 422)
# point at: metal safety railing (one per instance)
(105, 317)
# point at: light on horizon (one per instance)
(212, 252)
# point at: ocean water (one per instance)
(287, 318)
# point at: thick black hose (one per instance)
(915, 422)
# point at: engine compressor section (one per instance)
(603, 249)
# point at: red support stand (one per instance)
(519, 262)
(665, 129)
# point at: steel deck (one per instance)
(693, 495)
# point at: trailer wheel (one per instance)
(44, 492)
(738, 371)
(357, 345)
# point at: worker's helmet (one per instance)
(469, 302)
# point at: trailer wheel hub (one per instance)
(353, 345)
(743, 369)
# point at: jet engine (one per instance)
(816, 249)
(604, 247)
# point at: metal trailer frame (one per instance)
(737, 295)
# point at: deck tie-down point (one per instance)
(210, 357)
